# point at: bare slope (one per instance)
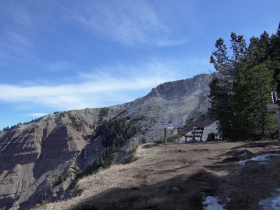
(34, 155)
(181, 176)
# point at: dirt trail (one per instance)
(181, 176)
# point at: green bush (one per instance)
(171, 138)
(44, 203)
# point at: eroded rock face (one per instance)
(34, 156)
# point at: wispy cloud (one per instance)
(129, 22)
(58, 66)
(16, 47)
(96, 89)
(18, 39)
(197, 65)
(22, 17)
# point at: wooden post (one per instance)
(194, 131)
(278, 120)
(165, 135)
(178, 133)
(275, 108)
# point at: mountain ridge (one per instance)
(36, 155)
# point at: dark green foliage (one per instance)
(6, 128)
(76, 122)
(103, 114)
(275, 57)
(115, 132)
(220, 107)
(62, 114)
(222, 86)
(240, 91)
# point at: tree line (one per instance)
(14, 126)
(240, 89)
(115, 132)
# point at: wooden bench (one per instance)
(196, 132)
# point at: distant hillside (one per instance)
(40, 159)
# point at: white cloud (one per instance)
(95, 90)
(37, 114)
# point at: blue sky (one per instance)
(63, 55)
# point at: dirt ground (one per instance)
(181, 176)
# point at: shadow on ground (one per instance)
(180, 192)
(238, 187)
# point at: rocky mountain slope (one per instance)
(38, 160)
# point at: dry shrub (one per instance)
(77, 192)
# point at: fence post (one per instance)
(278, 121)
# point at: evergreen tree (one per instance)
(220, 102)
(252, 93)
(259, 80)
(222, 87)
(241, 89)
(275, 58)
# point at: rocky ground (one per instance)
(182, 176)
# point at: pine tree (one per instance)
(251, 96)
(259, 83)
(222, 87)
(220, 102)
(275, 57)
(240, 91)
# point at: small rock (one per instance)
(176, 189)
(240, 151)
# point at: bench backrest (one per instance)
(196, 132)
